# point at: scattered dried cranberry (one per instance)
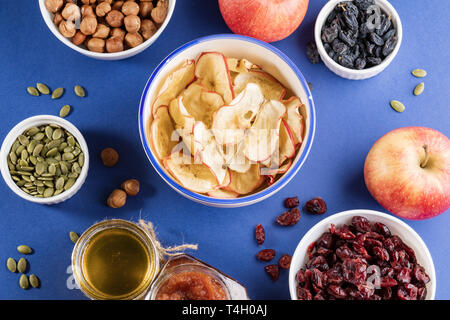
(260, 234)
(289, 218)
(266, 254)
(285, 261)
(273, 270)
(316, 205)
(291, 202)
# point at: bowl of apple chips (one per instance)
(227, 120)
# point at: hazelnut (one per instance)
(131, 187)
(132, 23)
(101, 32)
(71, 12)
(130, 7)
(114, 44)
(115, 18)
(109, 157)
(117, 5)
(67, 28)
(87, 11)
(118, 33)
(145, 8)
(102, 9)
(53, 5)
(88, 1)
(96, 45)
(57, 19)
(109, 1)
(117, 199)
(78, 38)
(133, 39)
(88, 25)
(148, 28)
(159, 13)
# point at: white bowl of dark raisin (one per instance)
(362, 255)
(358, 39)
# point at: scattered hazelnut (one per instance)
(117, 5)
(133, 39)
(115, 18)
(159, 13)
(117, 199)
(114, 44)
(118, 33)
(145, 8)
(148, 28)
(67, 28)
(101, 32)
(130, 7)
(132, 23)
(88, 25)
(71, 12)
(109, 157)
(131, 187)
(53, 5)
(96, 45)
(102, 9)
(78, 38)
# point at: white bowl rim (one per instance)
(21, 127)
(241, 201)
(106, 55)
(431, 272)
(323, 15)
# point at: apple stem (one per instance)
(425, 161)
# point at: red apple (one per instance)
(267, 20)
(408, 172)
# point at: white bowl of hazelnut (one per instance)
(107, 29)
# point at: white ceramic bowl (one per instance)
(353, 74)
(271, 60)
(48, 18)
(37, 121)
(397, 227)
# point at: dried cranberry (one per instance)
(317, 278)
(344, 252)
(266, 254)
(325, 240)
(342, 232)
(407, 292)
(270, 180)
(273, 270)
(310, 249)
(285, 261)
(318, 262)
(420, 275)
(361, 224)
(291, 202)
(421, 293)
(361, 251)
(387, 282)
(289, 218)
(260, 234)
(336, 291)
(334, 275)
(354, 271)
(323, 251)
(382, 229)
(301, 278)
(381, 253)
(316, 205)
(404, 275)
(303, 294)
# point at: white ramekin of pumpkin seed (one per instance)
(44, 159)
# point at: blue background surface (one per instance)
(350, 117)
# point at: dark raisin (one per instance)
(329, 34)
(285, 261)
(260, 234)
(389, 46)
(312, 52)
(345, 60)
(273, 270)
(289, 218)
(389, 34)
(291, 202)
(374, 61)
(376, 39)
(360, 63)
(350, 7)
(266, 254)
(350, 20)
(384, 26)
(339, 47)
(316, 206)
(370, 48)
(348, 37)
(364, 4)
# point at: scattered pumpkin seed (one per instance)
(42, 88)
(22, 265)
(57, 93)
(24, 249)
(11, 264)
(33, 91)
(419, 89)
(64, 112)
(397, 106)
(34, 281)
(73, 236)
(79, 91)
(23, 282)
(419, 73)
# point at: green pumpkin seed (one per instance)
(81, 159)
(37, 150)
(69, 183)
(22, 265)
(49, 182)
(57, 134)
(48, 192)
(34, 281)
(11, 264)
(33, 91)
(48, 132)
(58, 192)
(79, 91)
(42, 88)
(32, 131)
(31, 146)
(71, 141)
(24, 249)
(68, 156)
(73, 236)
(64, 112)
(397, 106)
(39, 136)
(23, 140)
(13, 157)
(419, 89)
(57, 93)
(419, 73)
(53, 152)
(23, 282)
(59, 185)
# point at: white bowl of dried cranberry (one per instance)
(394, 270)
(350, 71)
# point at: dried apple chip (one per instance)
(294, 119)
(244, 183)
(270, 87)
(163, 134)
(180, 115)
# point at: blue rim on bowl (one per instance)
(245, 200)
